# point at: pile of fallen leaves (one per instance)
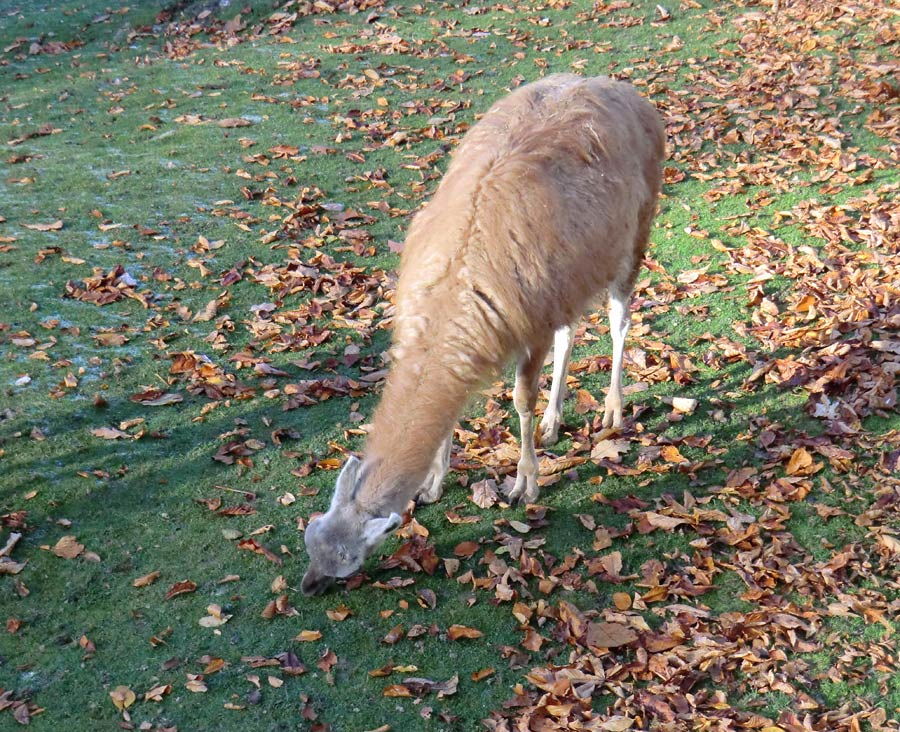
(190, 25)
(104, 288)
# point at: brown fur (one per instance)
(548, 202)
(538, 213)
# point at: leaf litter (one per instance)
(761, 118)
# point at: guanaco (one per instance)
(547, 203)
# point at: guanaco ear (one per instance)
(346, 482)
(377, 530)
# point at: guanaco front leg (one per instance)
(525, 396)
(562, 350)
(619, 322)
(433, 487)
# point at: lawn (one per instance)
(201, 209)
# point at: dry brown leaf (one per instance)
(617, 724)
(670, 454)
(196, 684)
(111, 433)
(484, 493)
(308, 636)
(145, 580)
(232, 122)
(456, 632)
(54, 226)
(340, 613)
(156, 398)
(180, 588)
(609, 635)
(799, 462)
(122, 697)
(609, 450)
(465, 549)
(207, 312)
(68, 548)
(157, 693)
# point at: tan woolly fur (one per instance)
(547, 203)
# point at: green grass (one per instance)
(125, 155)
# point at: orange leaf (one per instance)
(455, 632)
(147, 579)
(341, 612)
(799, 462)
(308, 636)
(394, 634)
(122, 697)
(180, 588)
(671, 454)
(232, 122)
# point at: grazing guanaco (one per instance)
(547, 203)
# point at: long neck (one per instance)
(421, 402)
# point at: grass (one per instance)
(124, 155)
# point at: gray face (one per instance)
(336, 549)
(339, 542)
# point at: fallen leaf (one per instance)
(207, 312)
(617, 724)
(232, 122)
(799, 462)
(456, 632)
(214, 618)
(180, 588)
(68, 548)
(609, 450)
(157, 693)
(145, 580)
(156, 398)
(465, 549)
(671, 454)
(338, 614)
(111, 433)
(307, 636)
(122, 697)
(196, 684)
(609, 635)
(484, 493)
(54, 226)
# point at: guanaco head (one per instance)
(339, 541)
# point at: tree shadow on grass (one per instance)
(148, 516)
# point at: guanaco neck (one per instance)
(419, 407)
